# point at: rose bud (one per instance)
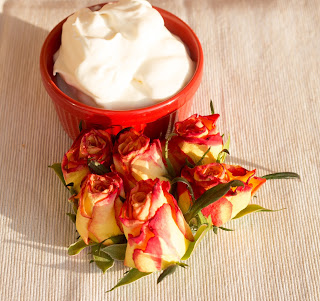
(204, 177)
(90, 145)
(99, 199)
(195, 136)
(155, 228)
(136, 158)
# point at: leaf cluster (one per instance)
(103, 256)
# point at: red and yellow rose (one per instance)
(134, 201)
(136, 158)
(99, 207)
(204, 177)
(194, 136)
(90, 145)
(154, 226)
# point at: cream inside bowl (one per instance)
(121, 57)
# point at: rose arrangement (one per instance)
(149, 203)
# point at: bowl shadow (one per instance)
(31, 199)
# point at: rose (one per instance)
(90, 145)
(194, 136)
(99, 205)
(155, 228)
(204, 177)
(136, 158)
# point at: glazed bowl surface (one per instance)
(156, 121)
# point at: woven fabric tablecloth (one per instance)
(262, 71)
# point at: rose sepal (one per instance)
(101, 258)
(57, 169)
(131, 276)
(78, 246)
(72, 217)
(252, 208)
(215, 229)
(116, 251)
(104, 256)
(170, 270)
(200, 234)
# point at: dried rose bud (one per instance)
(204, 177)
(99, 199)
(90, 145)
(194, 137)
(137, 158)
(154, 226)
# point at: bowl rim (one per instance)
(161, 106)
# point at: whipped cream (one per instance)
(121, 56)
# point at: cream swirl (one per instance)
(122, 56)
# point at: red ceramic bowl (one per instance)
(156, 120)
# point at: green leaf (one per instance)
(170, 168)
(225, 229)
(181, 264)
(95, 249)
(57, 168)
(189, 164)
(117, 251)
(226, 147)
(221, 155)
(97, 168)
(251, 208)
(131, 276)
(72, 217)
(78, 246)
(203, 229)
(210, 196)
(211, 107)
(119, 239)
(203, 156)
(184, 181)
(202, 218)
(102, 260)
(115, 239)
(215, 229)
(170, 270)
(209, 219)
(282, 175)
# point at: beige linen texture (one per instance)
(262, 62)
